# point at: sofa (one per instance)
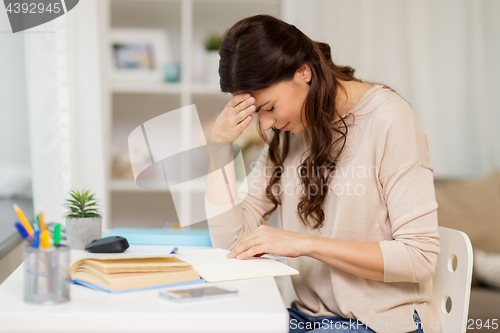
(473, 206)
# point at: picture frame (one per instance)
(138, 54)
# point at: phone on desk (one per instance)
(185, 295)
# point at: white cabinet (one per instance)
(130, 103)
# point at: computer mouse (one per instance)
(112, 244)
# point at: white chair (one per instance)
(452, 280)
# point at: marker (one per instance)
(36, 239)
(23, 232)
(174, 250)
(24, 221)
(57, 234)
(44, 239)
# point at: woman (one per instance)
(350, 172)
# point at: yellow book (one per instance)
(127, 274)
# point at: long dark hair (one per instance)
(260, 51)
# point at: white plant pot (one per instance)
(212, 67)
(83, 231)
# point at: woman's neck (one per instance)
(348, 97)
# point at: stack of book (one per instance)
(116, 275)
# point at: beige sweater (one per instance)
(382, 191)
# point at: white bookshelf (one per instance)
(129, 103)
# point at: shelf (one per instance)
(126, 87)
(145, 87)
(126, 185)
(202, 88)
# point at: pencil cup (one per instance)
(46, 275)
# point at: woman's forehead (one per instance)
(261, 92)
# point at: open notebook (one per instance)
(213, 266)
(127, 272)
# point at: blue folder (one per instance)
(93, 286)
(136, 236)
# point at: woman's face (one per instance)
(282, 105)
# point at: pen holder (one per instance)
(46, 275)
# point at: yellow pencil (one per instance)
(24, 221)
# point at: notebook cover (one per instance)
(137, 236)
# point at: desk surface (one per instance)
(258, 308)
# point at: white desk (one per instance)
(258, 308)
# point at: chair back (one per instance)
(452, 281)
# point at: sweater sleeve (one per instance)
(407, 188)
(229, 224)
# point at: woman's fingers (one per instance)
(242, 115)
(246, 107)
(237, 99)
(270, 240)
(234, 119)
(256, 250)
(257, 243)
(245, 123)
(245, 244)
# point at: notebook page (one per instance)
(213, 266)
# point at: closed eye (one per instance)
(271, 109)
(260, 107)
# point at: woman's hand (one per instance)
(234, 119)
(358, 258)
(271, 240)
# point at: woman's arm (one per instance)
(232, 215)
(363, 259)
(221, 180)
(233, 120)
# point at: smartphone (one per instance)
(183, 295)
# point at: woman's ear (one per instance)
(305, 72)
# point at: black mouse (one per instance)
(112, 244)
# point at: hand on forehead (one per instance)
(261, 97)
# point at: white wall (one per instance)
(441, 56)
(14, 135)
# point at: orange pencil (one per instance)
(41, 221)
(24, 221)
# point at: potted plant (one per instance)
(83, 219)
(212, 45)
